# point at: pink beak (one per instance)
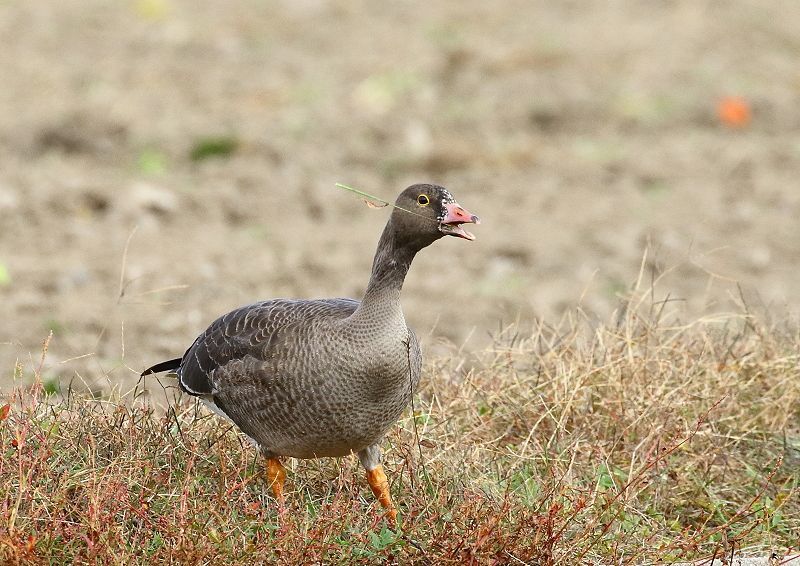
(454, 217)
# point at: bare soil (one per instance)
(163, 161)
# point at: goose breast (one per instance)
(297, 379)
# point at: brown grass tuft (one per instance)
(634, 442)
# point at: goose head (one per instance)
(424, 213)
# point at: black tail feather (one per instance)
(169, 365)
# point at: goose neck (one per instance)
(389, 268)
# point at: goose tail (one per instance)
(169, 365)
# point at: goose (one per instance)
(325, 377)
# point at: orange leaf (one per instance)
(371, 204)
(734, 111)
(4, 410)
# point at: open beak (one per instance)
(454, 217)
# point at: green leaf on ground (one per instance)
(213, 147)
(152, 161)
(5, 276)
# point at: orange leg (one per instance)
(380, 487)
(276, 476)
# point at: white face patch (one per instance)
(447, 198)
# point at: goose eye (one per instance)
(423, 200)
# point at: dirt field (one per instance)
(208, 137)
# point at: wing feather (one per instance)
(251, 332)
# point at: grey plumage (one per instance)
(302, 378)
(328, 377)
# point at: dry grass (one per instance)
(635, 442)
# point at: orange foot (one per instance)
(276, 476)
(380, 487)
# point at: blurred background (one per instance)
(163, 161)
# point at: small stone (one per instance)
(9, 200)
(146, 197)
(760, 257)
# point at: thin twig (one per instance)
(383, 202)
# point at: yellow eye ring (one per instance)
(423, 200)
